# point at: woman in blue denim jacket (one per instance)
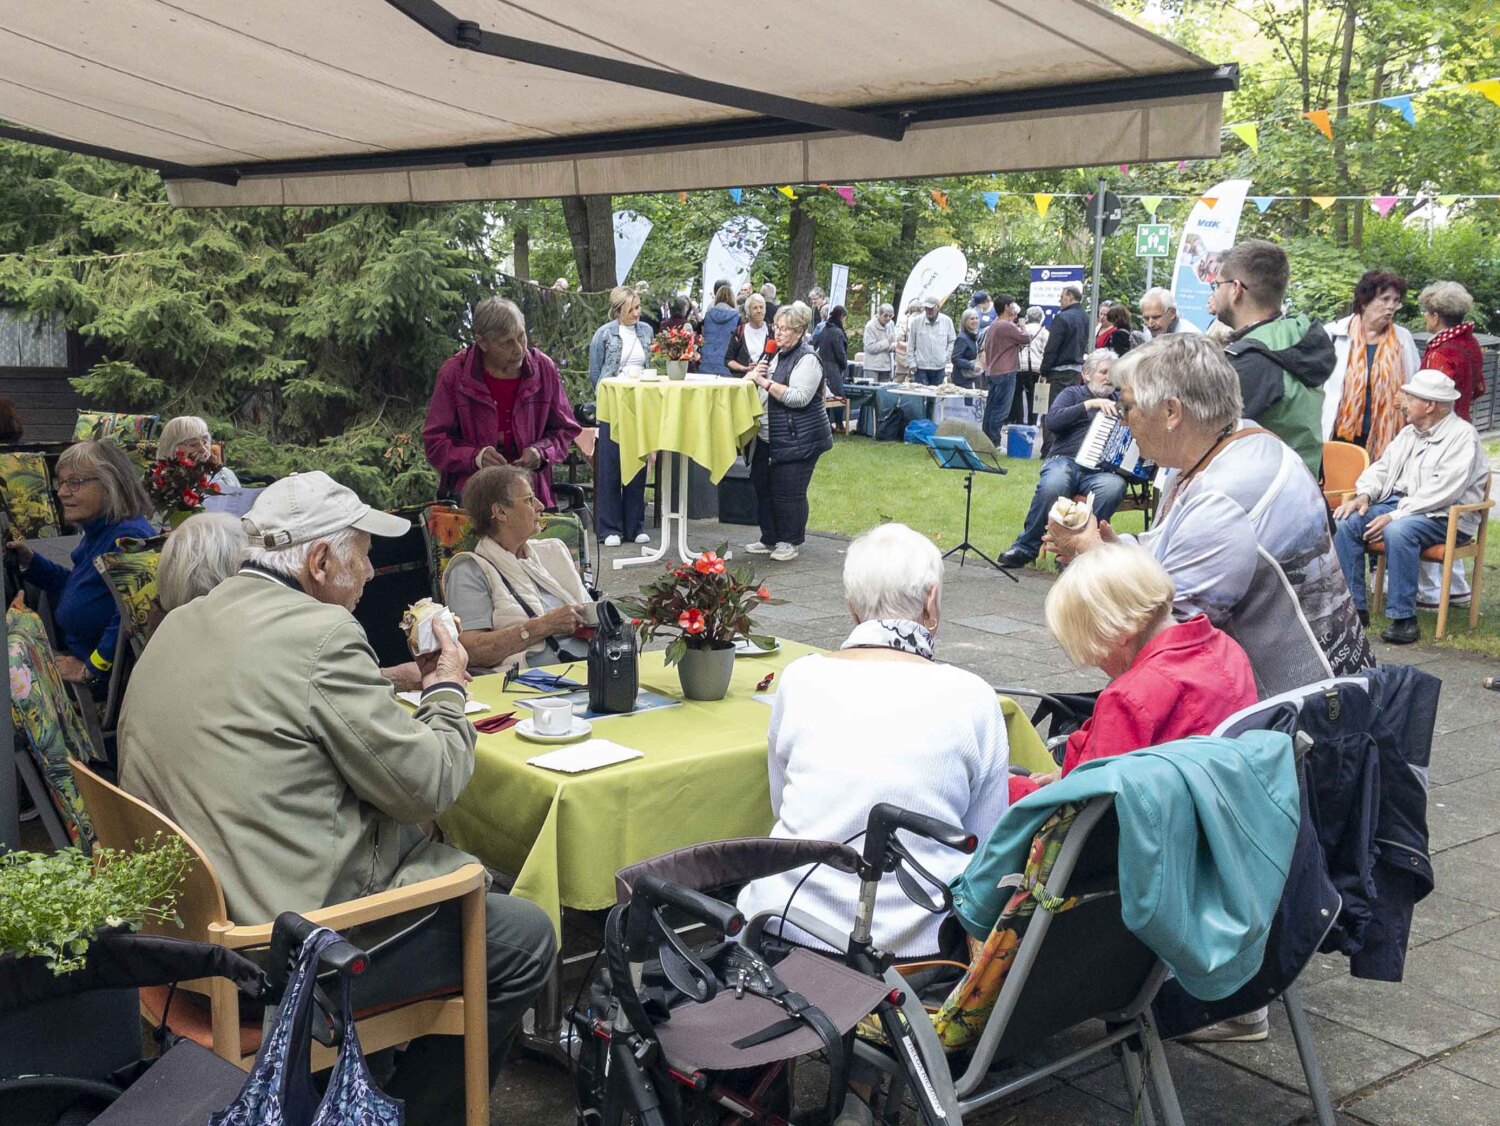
(621, 343)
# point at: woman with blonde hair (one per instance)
(620, 344)
(1112, 609)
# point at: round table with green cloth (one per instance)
(708, 419)
(702, 777)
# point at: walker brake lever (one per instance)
(682, 967)
(915, 891)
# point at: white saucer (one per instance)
(743, 648)
(526, 729)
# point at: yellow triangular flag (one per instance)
(1447, 200)
(1151, 203)
(1325, 201)
(1249, 133)
(1043, 200)
(1490, 88)
(786, 191)
(1320, 118)
(1208, 201)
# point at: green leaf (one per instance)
(676, 649)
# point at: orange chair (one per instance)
(1343, 462)
(1447, 554)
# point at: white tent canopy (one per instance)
(300, 102)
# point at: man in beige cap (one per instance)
(259, 721)
(1434, 462)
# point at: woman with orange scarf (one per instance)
(1375, 356)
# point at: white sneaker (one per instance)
(1249, 1028)
(611, 541)
(758, 548)
(784, 553)
(644, 537)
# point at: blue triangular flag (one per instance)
(1401, 103)
(990, 199)
(1262, 202)
(736, 193)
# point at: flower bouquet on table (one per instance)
(707, 606)
(679, 346)
(179, 485)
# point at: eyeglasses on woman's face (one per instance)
(71, 484)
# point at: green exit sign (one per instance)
(1152, 240)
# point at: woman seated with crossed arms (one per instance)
(1112, 608)
(515, 597)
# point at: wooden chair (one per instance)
(1343, 462)
(840, 404)
(1446, 553)
(120, 820)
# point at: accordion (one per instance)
(1109, 446)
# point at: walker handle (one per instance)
(885, 819)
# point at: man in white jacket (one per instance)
(1434, 462)
(930, 342)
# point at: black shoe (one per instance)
(1364, 618)
(1401, 631)
(1014, 560)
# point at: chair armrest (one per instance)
(382, 905)
(1460, 509)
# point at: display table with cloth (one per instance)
(705, 419)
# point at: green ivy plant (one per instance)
(52, 905)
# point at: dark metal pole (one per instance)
(10, 815)
(1098, 250)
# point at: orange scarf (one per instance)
(1383, 378)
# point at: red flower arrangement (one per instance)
(676, 344)
(704, 602)
(178, 482)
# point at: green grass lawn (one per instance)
(862, 483)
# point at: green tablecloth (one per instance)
(703, 778)
(708, 421)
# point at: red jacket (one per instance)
(461, 419)
(1186, 681)
(1461, 360)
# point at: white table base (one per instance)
(674, 514)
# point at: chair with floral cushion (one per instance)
(49, 731)
(26, 494)
(136, 434)
(447, 532)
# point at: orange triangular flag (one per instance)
(940, 198)
(1320, 118)
(1325, 201)
(1208, 201)
(682, 197)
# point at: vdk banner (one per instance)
(731, 253)
(631, 231)
(1046, 287)
(1206, 237)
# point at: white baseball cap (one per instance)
(311, 506)
(1433, 386)
(930, 302)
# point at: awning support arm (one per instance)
(467, 35)
(167, 168)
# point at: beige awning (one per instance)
(296, 102)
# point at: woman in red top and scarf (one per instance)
(1112, 608)
(1453, 349)
(498, 402)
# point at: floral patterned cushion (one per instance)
(26, 494)
(447, 532)
(131, 574)
(134, 433)
(46, 719)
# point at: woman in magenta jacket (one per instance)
(498, 402)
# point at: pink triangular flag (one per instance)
(846, 193)
(1383, 204)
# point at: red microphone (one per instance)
(768, 351)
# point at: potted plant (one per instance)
(680, 346)
(707, 606)
(178, 485)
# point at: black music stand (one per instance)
(953, 452)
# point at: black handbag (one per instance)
(614, 673)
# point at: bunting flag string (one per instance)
(1208, 201)
(1319, 117)
(846, 193)
(1324, 201)
(1402, 105)
(787, 191)
(736, 194)
(1151, 203)
(1383, 204)
(1489, 87)
(1262, 202)
(991, 199)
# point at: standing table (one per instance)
(705, 418)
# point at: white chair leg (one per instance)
(1161, 1076)
(1307, 1052)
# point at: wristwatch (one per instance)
(525, 634)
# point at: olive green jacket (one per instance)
(257, 719)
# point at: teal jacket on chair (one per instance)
(1207, 828)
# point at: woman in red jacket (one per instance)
(1113, 609)
(1453, 349)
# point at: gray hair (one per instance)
(124, 493)
(1447, 300)
(816, 291)
(1073, 290)
(1162, 296)
(752, 299)
(1034, 315)
(1098, 356)
(202, 552)
(887, 307)
(969, 314)
(498, 317)
(182, 429)
(1187, 367)
(797, 315)
(768, 291)
(890, 572)
(292, 561)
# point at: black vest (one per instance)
(797, 433)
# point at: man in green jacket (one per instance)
(1282, 361)
(259, 721)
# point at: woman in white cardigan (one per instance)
(516, 598)
(1374, 356)
(881, 721)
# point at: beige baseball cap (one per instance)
(311, 506)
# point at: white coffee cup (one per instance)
(552, 716)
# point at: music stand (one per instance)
(954, 452)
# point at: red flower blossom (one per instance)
(691, 621)
(191, 499)
(709, 563)
(763, 594)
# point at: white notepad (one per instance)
(588, 755)
(415, 699)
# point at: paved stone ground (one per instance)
(1424, 1051)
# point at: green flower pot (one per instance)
(705, 673)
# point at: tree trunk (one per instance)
(591, 230)
(1340, 121)
(1377, 88)
(911, 215)
(801, 233)
(521, 250)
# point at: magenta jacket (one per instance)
(461, 419)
